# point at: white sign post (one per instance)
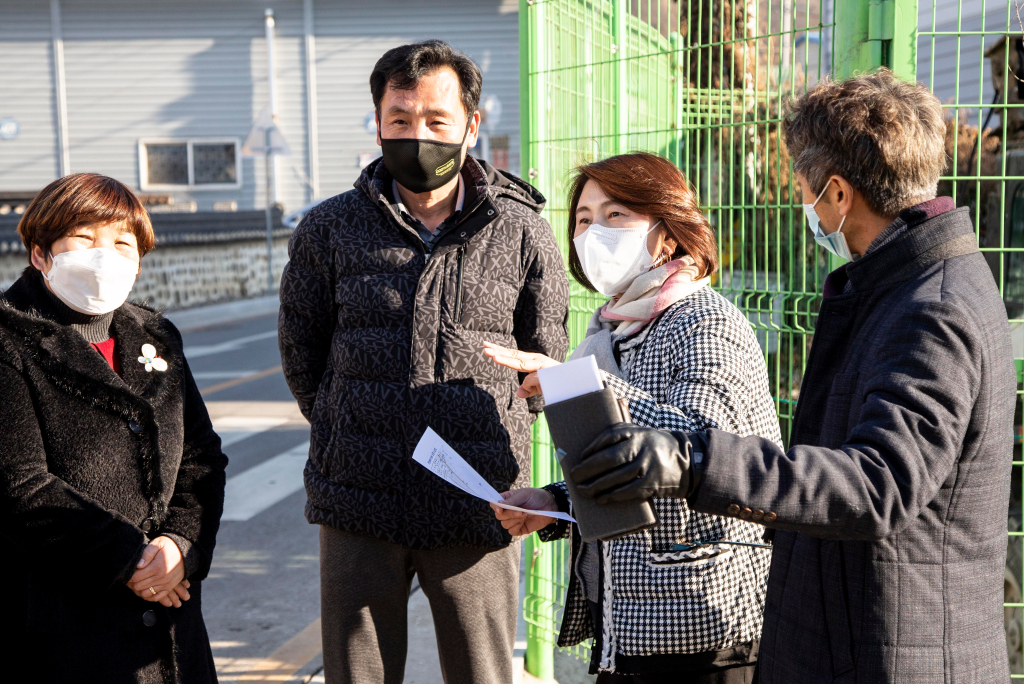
(266, 137)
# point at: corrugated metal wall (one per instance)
(192, 69)
(26, 95)
(181, 69)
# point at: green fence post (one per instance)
(540, 580)
(620, 47)
(538, 607)
(875, 33)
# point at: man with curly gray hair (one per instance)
(890, 504)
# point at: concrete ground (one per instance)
(262, 599)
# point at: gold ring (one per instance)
(152, 591)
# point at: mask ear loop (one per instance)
(46, 276)
(822, 194)
(657, 263)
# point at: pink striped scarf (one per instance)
(649, 295)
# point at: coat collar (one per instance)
(28, 313)
(930, 237)
(484, 185)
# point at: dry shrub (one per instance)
(962, 159)
(711, 23)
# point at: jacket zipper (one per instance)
(460, 266)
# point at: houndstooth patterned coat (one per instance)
(699, 367)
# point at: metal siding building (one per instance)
(191, 70)
(27, 95)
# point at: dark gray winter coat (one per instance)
(381, 339)
(891, 503)
(88, 461)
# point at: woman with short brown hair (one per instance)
(681, 601)
(111, 476)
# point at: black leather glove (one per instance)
(631, 462)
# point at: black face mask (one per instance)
(422, 165)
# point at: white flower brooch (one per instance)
(151, 360)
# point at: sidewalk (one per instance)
(224, 312)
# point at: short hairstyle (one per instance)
(652, 186)
(883, 135)
(81, 199)
(401, 68)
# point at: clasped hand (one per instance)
(160, 574)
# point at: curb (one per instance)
(198, 317)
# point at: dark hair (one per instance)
(883, 135)
(82, 199)
(401, 68)
(652, 186)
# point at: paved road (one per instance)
(263, 589)
(262, 599)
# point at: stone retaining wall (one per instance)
(182, 276)
(199, 259)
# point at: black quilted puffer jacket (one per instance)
(381, 338)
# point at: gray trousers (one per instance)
(364, 598)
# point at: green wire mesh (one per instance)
(704, 83)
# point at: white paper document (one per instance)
(570, 379)
(434, 454)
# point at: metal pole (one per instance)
(268, 15)
(312, 119)
(270, 227)
(60, 90)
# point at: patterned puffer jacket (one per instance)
(679, 587)
(381, 338)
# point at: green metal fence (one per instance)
(703, 82)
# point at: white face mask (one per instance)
(834, 242)
(92, 281)
(613, 257)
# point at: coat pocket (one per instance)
(837, 613)
(460, 272)
(684, 554)
(836, 423)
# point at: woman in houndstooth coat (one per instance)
(681, 601)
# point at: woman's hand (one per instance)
(518, 523)
(523, 362)
(159, 573)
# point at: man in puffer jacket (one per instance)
(391, 290)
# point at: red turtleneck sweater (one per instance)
(107, 350)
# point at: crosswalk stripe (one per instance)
(198, 350)
(233, 429)
(251, 492)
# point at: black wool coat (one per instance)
(891, 503)
(381, 338)
(91, 466)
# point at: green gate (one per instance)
(704, 82)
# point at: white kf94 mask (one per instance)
(92, 281)
(613, 257)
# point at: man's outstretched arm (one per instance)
(908, 436)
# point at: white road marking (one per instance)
(233, 429)
(197, 350)
(250, 493)
(222, 375)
